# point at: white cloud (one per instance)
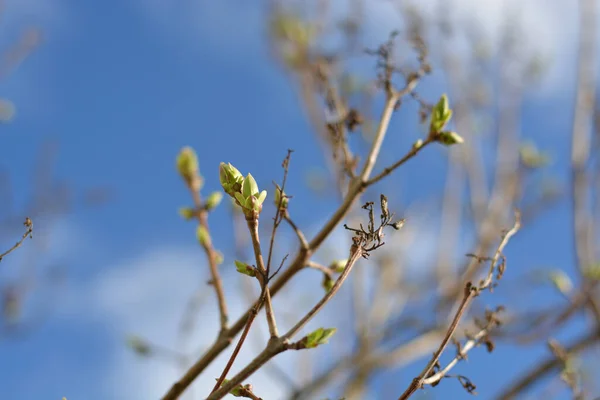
(146, 295)
(547, 28)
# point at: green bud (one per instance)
(561, 281)
(448, 138)
(531, 157)
(219, 257)
(202, 235)
(245, 269)
(231, 179)
(592, 272)
(187, 166)
(279, 198)
(318, 337)
(417, 145)
(187, 213)
(240, 199)
(249, 186)
(338, 265)
(138, 345)
(213, 200)
(236, 391)
(440, 115)
(260, 200)
(327, 283)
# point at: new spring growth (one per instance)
(231, 179)
(327, 282)
(138, 345)
(338, 266)
(532, 157)
(187, 213)
(187, 166)
(250, 199)
(213, 200)
(240, 390)
(316, 338)
(203, 236)
(440, 116)
(243, 190)
(245, 269)
(279, 199)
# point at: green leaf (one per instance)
(245, 269)
(236, 391)
(240, 198)
(448, 138)
(261, 197)
(318, 337)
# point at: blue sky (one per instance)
(122, 86)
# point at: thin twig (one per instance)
(211, 255)
(470, 292)
(280, 212)
(388, 170)
(297, 231)
(320, 267)
(240, 343)
(29, 225)
(546, 367)
(357, 186)
(282, 343)
(583, 234)
(262, 276)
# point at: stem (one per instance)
(357, 186)
(237, 349)
(388, 170)
(264, 279)
(583, 229)
(274, 347)
(281, 344)
(417, 383)
(211, 255)
(355, 253)
(469, 293)
(546, 367)
(319, 267)
(28, 232)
